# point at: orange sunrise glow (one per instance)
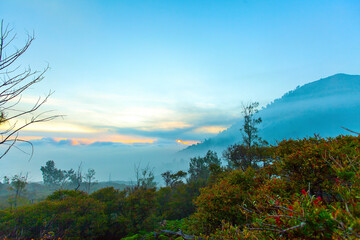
(187, 142)
(87, 141)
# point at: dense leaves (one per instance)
(306, 189)
(71, 217)
(199, 167)
(310, 191)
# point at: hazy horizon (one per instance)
(133, 77)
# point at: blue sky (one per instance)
(157, 71)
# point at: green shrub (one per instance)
(77, 217)
(311, 191)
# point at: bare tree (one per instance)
(19, 182)
(13, 82)
(144, 178)
(89, 179)
(77, 179)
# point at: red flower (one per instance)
(291, 208)
(278, 221)
(317, 200)
(337, 180)
(303, 192)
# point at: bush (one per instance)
(311, 191)
(76, 217)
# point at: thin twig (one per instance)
(294, 227)
(350, 131)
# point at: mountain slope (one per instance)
(320, 107)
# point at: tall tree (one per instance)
(51, 175)
(89, 179)
(250, 151)
(19, 182)
(250, 129)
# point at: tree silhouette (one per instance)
(199, 167)
(89, 179)
(250, 151)
(172, 179)
(19, 182)
(51, 175)
(13, 83)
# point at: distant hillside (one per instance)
(321, 107)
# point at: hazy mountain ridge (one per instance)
(320, 107)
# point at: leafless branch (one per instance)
(270, 225)
(265, 229)
(351, 131)
(287, 216)
(79, 177)
(302, 224)
(8, 149)
(13, 83)
(181, 234)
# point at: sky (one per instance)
(133, 77)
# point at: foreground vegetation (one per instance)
(302, 189)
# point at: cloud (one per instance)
(199, 129)
(140, 112)
(99, 141)
(53, 126)
(211, 129)
(187, 142)
(98, 120)
(167, 126)
(163, 134)
(60, 127)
